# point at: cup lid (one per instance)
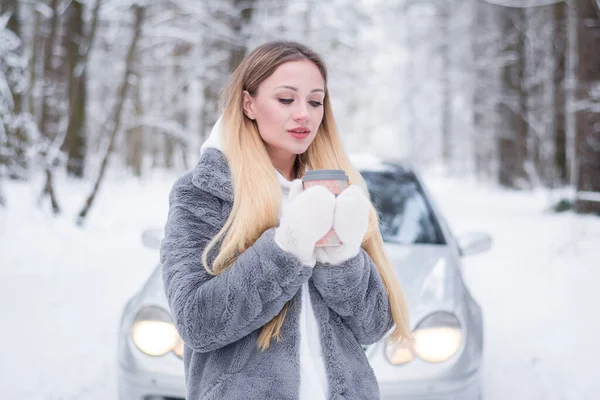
(325, 175)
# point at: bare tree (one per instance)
(181, 52)
(216, 57)
(478, 86)
(445, 15)
(223, 52)
(74, 143)
(587, 117)
(241, 20)
(48, 109)
(32, 96)
(50, 114)
(79, 43)
(540, 87)
(139, 12)
(559, 92)
(135, 140)
(488, 60)
(512, 136)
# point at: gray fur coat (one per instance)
(219, 317)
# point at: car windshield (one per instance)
(405, 216)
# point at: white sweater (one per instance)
(313, 378)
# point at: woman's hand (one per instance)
(350, 222)
(305, 220)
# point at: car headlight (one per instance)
(438, 337)
(153, 331)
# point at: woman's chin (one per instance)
(299, 148)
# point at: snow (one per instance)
(589, 196)
(62, 288)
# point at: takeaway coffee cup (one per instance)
(336, 181)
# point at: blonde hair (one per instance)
(257, 199)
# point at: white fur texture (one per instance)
(306, 219)
(350, 222)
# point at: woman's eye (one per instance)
(286, 101)
(315, 103)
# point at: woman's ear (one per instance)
(248, 105)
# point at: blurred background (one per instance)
(104, 103)
(505, 90)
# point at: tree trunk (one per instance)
(156, 147)
(73, 139)
(486, 87)
(49, 110)
(540, 88)
(32, 96)
(587, 118)
(239, 24)
(181, 98)
(49, 73)
(210, 102)
(444, 21)
(217, 68)
(14, 25)
(512, 139)
(78, 51)
(122, 96)
(226, 58)
(169, 151)
(169, 143)
(410, 43)
(136, 135)
(49, 191)
(75, 142)
(559, 93)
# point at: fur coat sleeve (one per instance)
(213, 311)
(355, 291)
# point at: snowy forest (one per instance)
(507, 91)
(104, 104)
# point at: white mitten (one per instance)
(350, 222)
(305, 220)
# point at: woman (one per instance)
(263, 314)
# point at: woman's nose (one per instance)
(300, 113)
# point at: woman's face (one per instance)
(288, 108)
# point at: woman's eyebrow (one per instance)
(296, 89)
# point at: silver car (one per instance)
(444, 362)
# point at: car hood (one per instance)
(153, 291)
(429, 276)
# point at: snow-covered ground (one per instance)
(62, 288)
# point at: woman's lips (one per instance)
(299, 133)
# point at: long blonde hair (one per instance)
(257, 199)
